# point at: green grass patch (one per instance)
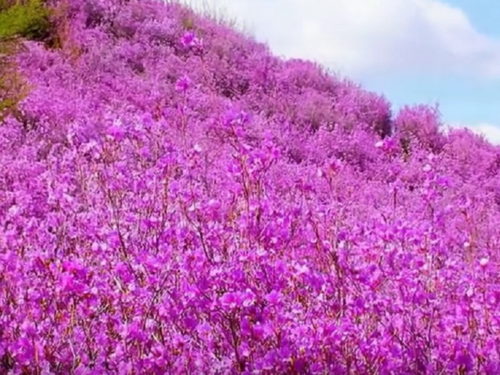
(26, 19)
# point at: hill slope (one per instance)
(175, 199)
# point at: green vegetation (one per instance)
(28, 19)
(13, 88)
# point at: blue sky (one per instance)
(484, 14)
(412, 51)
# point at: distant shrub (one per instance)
(420, 124)
(27, 19)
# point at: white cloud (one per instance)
(490, 131)
(359, 37)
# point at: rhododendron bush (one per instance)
(175, 199)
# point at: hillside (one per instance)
(176, 199)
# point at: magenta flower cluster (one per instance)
(174, 199)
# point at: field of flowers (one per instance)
(175, 199)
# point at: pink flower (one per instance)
(189, 39)
(183, 84)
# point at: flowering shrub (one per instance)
(184, 202)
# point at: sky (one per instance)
(444, 52)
